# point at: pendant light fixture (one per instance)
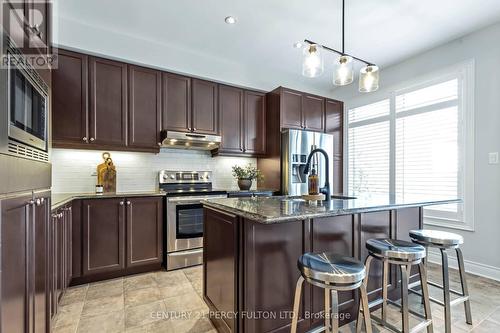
(312, 65)
(368, 79)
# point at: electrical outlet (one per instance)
(493, 158)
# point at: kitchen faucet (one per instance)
(326, 189)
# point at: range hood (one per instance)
(181, 140)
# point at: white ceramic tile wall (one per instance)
(74, 170)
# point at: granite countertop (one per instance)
(277, 209)
(60, 199)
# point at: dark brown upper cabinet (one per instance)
(144, 231)
(144, 114)
(334, 124)
(103, 236)
(70, 100)
(302, 111)
(291, 109)
(313, 113)
(242, 119)
(255, 123)
(231, 101)
(176, 114)
(205, 119)
(108, 102)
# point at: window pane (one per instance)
(427, 155)
(443, 92)
(369, 158)
(370, 111)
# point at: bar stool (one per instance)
(445, 241)
(405, 255)
(333, 273)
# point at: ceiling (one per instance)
(190, 36)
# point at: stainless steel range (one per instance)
(185, 191)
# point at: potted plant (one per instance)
(246, 175)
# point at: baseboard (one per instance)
(489, 272)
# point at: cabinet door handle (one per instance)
(159, 144)
(85, 139)
(121, 203)
(92, 139)
(128, 203)
(189, 128)
(194, 129)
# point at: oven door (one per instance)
(185, 222)
(27, 109)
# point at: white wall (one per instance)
(482, 246)
(74, 170)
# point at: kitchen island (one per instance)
(251, 247)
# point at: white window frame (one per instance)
(465, 73)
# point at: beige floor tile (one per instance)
(140, 281)
(144, 314)
(74, 295)
(194, 273)
(68, 315)
(110, 288)
(170, 279)
(160, 326)
(495, 316)
(65, 329)
(107, 323)
(178, 290)
(198, 325)
(102, 306)
(142, 296)
(185, 303)
(487, 326)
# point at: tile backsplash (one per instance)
(75, 170)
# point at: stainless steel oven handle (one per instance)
(183, 253)
(194, 199)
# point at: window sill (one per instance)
(449, 224)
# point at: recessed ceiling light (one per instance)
(297, 45)
(230, 19)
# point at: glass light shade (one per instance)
(312, 64)
(344, 73)
(368, 78)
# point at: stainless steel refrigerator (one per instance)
(295, 147)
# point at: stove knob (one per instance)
(172, 177)
(202, 177)
(207, 177)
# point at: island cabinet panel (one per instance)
(108, 102)
(270, 273)
(103, 236)
(176, 102)
(231, 119)
(334, 234)
(144, 108)
(220, 266)
(144, 231)
(70, 99)
(205, 107)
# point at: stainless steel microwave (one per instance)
(25, 115)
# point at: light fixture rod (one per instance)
(310, 42)
(343, 26)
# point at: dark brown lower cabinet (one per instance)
(103, 236)
(253, 273)
(60, 254)
(24, 266)
(144, 231)
(115, 237)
